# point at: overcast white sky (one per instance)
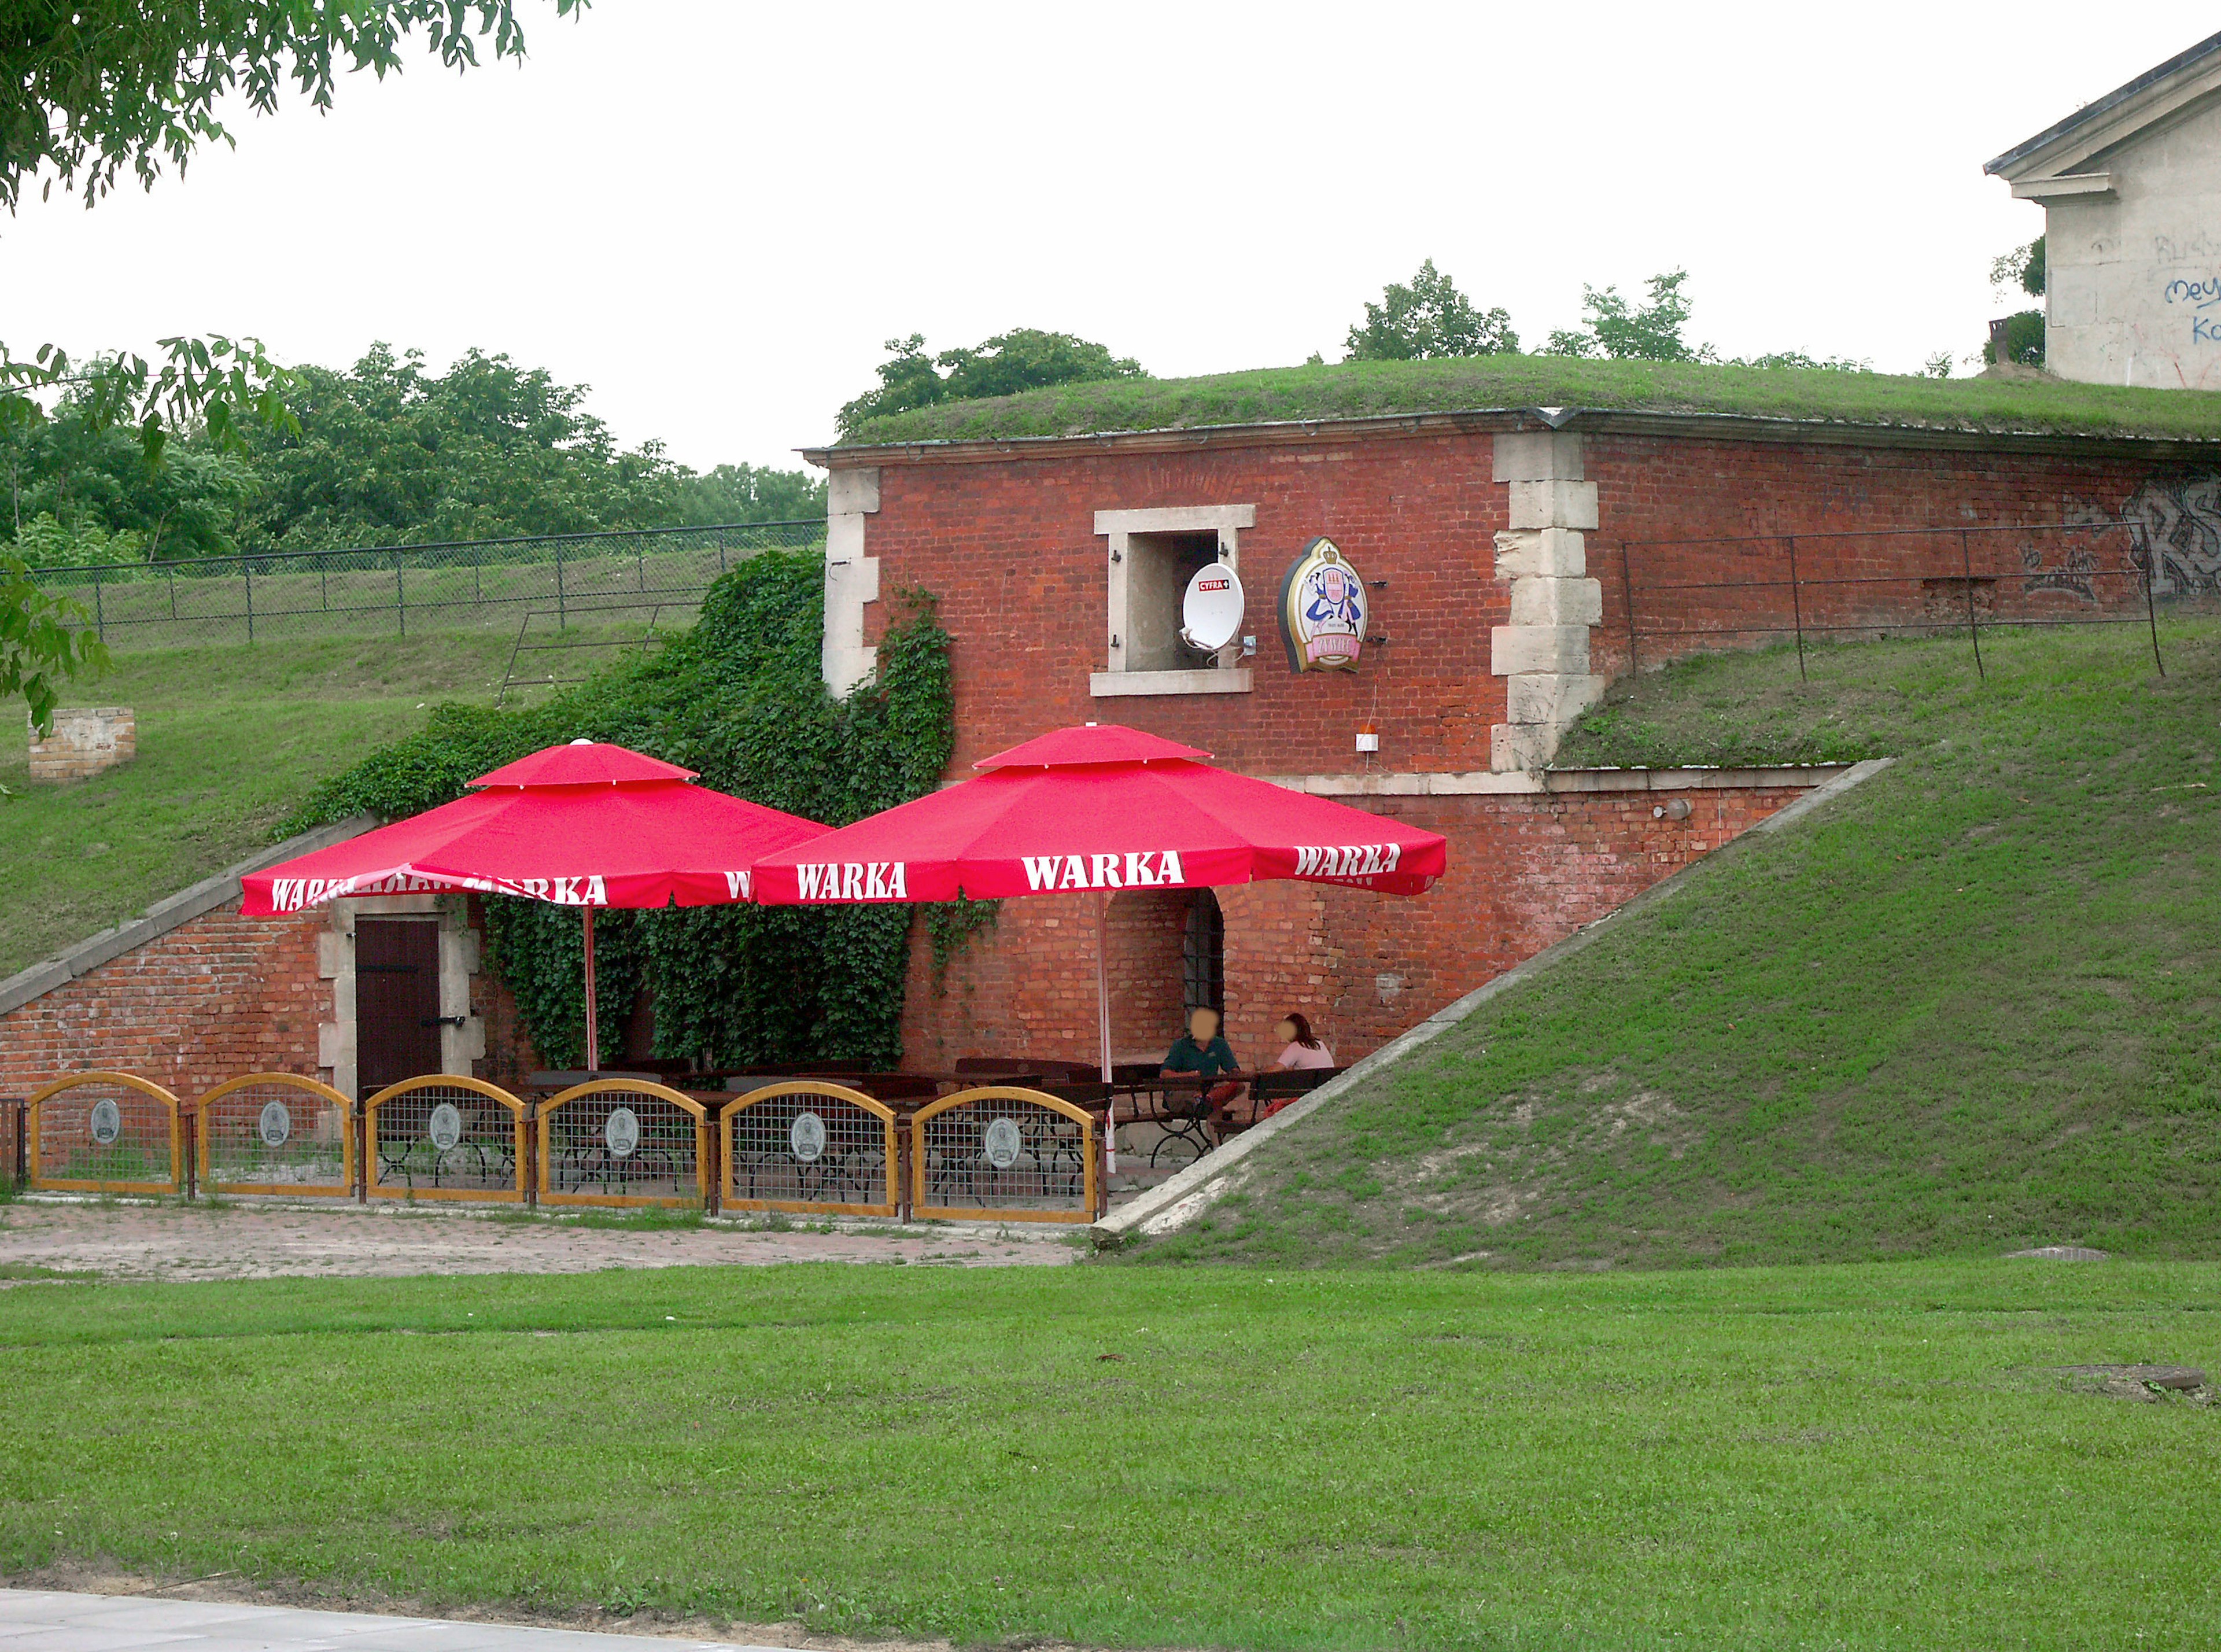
(713, 212)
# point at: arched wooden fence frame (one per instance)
(869, 1148)
(206, 1130)
(379, 1154)
(1073, 1158)
(604, 1164)
(42, 1173)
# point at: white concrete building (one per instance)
(2130, 187)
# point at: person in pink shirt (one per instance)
(1306, 1051)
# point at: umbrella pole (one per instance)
(1103, 1019)
(593, 1041)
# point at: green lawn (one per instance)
(1373, 389)
(1971, 1008)
(1874, 1457)
(229, 740)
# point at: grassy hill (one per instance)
(1371, 389)
(229, 740)
(1970, 1007)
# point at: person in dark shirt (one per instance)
(1201, 1052)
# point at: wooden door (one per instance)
(397, 1002)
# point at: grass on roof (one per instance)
(1370, 389)
(1966, 1009)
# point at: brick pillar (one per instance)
(85, 741)
(1544, 651)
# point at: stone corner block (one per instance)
(1549, 696)
(1554, 504)
(1561, 650)
(853, 492)
(1541, 553)
(1556, 602)
(1538, 456)
(1515, 746)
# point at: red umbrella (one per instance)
(1100, 808)
(583, 825)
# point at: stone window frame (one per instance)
(459, 958)
(1227, 521)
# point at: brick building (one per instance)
(1513, 561)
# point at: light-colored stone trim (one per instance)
(1227, 521)
(1540, 782)
(1173, 1203)
(852, 579)
(164, 915)
(1543, 654)
(1110, 684)
(459, 960)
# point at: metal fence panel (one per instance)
(445, 1137)
(1012, 1154)
(811, 1147)
(1679, 597)
(623, 1141)
(105, 1133)
(277, 1133)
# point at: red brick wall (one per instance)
(1696, 513)
(216, 996)
(1525, 872)
(1011, 551)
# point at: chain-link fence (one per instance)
(574, 578)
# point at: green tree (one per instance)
(93, 87)
(1622, 331)
(1022, 358)
(92, 478)
(388, 452)
(1426, 319)
(2023, 267)
(89, 88)
(732, 493)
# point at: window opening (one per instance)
(1204, 955)
(1158, 567)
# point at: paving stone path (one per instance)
(129, 1241)
(43, 1620)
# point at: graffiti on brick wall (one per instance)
(2179, 517)
(2077, 573)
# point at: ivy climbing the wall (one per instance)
(740, 700)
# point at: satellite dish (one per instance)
(1211, 613)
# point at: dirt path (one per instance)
(239, 1242)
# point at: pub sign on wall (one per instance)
(1323, 612)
